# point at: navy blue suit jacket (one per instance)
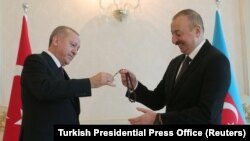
(197, 97)
(48, 98)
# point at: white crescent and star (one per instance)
(19, 122)
(18, 70)
(231, 107)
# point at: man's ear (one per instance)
(55, 40)
(198, 30)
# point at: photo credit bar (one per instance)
(78, 132)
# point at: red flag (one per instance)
(14, 115)
(230, 113)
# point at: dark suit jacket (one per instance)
(198, 96)
(48, 98)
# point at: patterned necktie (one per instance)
(184, 67)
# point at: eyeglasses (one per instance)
(131, 94)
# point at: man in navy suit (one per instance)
(193, 96)
(49, 96)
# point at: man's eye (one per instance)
(74, 45)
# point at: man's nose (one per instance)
(74, 50)
(174, 40)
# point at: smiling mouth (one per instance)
(180, 46)
(71, 57)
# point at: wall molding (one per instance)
(245, 34)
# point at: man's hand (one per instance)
(101, 79)
(124, 80)
(147, 118)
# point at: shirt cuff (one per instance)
(136, 85)
(158, 120)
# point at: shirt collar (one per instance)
(196, 50)
(58, 64)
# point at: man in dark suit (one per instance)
(49, 96)
(191, 96)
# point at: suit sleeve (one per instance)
(213, 90)
(155, 99)
(38, 80)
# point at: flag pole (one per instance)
(232, 109)
(14, 114)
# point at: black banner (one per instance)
(78, 132)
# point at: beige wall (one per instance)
(245, 22)
(141, 43)
(2, 111)
(1, 54)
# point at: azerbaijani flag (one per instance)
(232, 110)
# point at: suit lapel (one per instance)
(170, 82)
(176, 68)
(52, 65)
(194, 64)
(75, 101)
(66, 77)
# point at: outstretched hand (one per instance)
(148, 117)
(101, 79)
(124, 80)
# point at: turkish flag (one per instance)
(14, 115)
